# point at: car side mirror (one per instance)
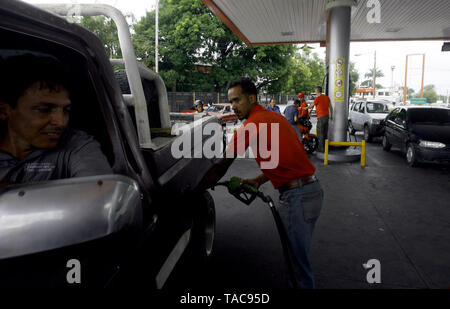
(54, 214)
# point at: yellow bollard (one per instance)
(363, 153)
(194, 98)
(218, 97)
(362, 145)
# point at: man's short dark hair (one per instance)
(297, 101)
(247, 85)
(319, 88)
(18, 73)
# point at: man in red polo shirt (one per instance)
(287, 167)
(324, 111)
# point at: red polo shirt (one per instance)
(303, 112)
(275, 145)
(321, 103)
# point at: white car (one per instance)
(366, 116)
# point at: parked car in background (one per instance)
(366, 116)
(422, 133)
(223, 111)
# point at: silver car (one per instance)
(366, 116)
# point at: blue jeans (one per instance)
(299, 210)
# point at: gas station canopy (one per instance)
(305, 21)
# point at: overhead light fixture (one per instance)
(393, 30)
(446, 47)
(287, 33)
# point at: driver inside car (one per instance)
(36, 143)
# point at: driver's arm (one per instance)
(88, 159)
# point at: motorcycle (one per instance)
(310, 140)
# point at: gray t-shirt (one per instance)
(77, 155)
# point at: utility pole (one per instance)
(405, 90)
(156, 36)
(375, 75)
(423, 75)
(392, 77)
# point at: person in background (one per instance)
(324, 112)
(273, 107)
(302, 112)
(199, 106)
(291, 114)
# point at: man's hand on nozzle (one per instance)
(256, 182)
(252, 182)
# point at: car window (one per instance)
(361, 108)
(429, 116)
(227, 109)
(376, 108)
(393, 114)
(401, 117)
(356, 106)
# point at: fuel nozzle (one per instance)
(243, 192)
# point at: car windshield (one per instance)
(429, 116)
(377, 108)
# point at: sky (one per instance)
(437, 63)
(389, 54)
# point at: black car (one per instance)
(422, 133)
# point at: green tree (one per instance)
(106, 30)
(353, 78)
(429, 92)
(369, 78)
(197, 52)
(306, 71)
(409, 94)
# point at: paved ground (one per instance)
(385, 211)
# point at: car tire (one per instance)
(203, 231)
(411, 158)
(351, 129)
(385, 142)
(367, 136)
